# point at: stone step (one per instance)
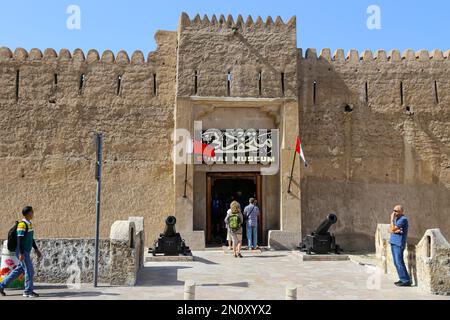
(321, 257)
(151, 258)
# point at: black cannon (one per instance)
(321, 241)
(170, 242)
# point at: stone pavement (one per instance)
(257, 276)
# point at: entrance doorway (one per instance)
(222, 189)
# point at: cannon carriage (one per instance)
(321, 241)
(170, 242)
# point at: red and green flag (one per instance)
(300, 151)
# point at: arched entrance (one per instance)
(222, 189)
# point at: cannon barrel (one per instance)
(326, 224)
(170, 230)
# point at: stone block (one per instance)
(433, 263)
(121, 231)
(284, 240)
(140, 237)
(124, 256)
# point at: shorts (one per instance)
(236, 238)
(229, 235)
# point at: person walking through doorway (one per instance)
(229, 200)
(251, 213)
(234, 221)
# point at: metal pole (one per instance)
(185, 181)
(98, 177)
(292, 171)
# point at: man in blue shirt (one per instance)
(251, 212)
(399, 234)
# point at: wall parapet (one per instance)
(380, 55)
(239, 23)
(93, 56)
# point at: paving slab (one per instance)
(265, 276)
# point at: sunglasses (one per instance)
(396, 211)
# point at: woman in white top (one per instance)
(236, 235)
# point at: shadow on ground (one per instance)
(237, 284)
(77, 294)
(265, 257)
(205, 261)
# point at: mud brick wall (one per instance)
(50, 106)
(376, 129)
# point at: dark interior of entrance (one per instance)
(225, 190)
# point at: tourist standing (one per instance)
(399, 234)
(251, 213)
(234, 221)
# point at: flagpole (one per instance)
(186, 177)
(292, 171)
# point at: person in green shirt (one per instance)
(25, 243)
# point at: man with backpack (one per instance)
(21, 236)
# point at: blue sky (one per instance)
(131, 24)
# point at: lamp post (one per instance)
(98, 177)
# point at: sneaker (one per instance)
(397, 283)
(2, 292)
(31, 295)
(240, 255)
(404, 284)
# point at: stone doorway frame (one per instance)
(285, 111)
(230, 175)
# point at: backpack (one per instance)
(234, 222)
(12, 236)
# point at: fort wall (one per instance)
(51, 105)
(376, 129)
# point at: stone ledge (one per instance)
(321, 257)
(169, 259)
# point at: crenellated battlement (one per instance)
(238, 23)
(380, 55)
(93, 56)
